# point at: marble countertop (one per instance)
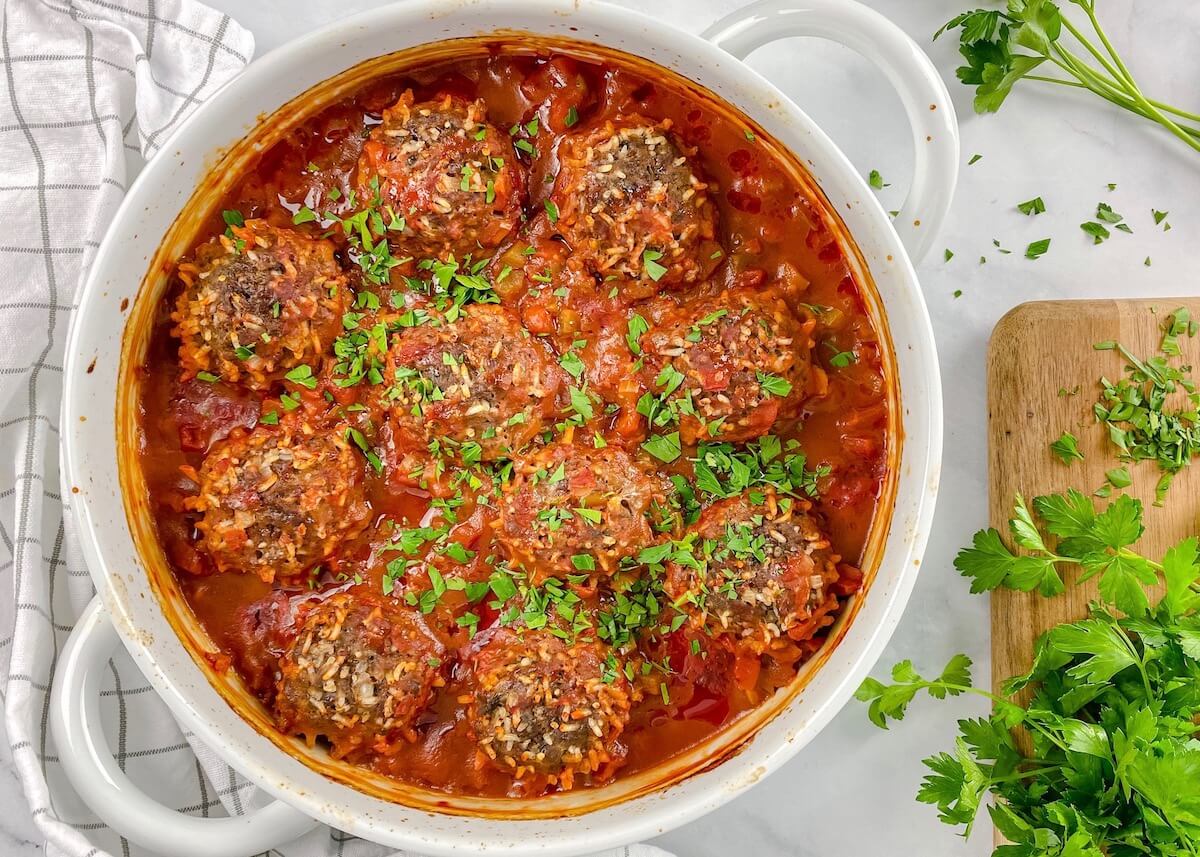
(1065, 147)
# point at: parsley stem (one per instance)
(1138, 660)
(1120, 92)
(1195, 117)
(1017, 776)
(1124, 72)
(1091, 48)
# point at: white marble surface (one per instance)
(851, 791)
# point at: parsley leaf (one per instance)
(650, 265)
(1032, 206)
(1066, 448)
(664, 447)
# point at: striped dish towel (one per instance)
(91, 89)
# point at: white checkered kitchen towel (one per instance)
(91, 88)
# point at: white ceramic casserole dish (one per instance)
(128, 276)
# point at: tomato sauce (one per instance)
(771, 233)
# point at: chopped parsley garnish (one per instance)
(633, 336)
(1104, 215)
(360, 441)
(592, 516)
(1098, 233)
(302, 375)
(581, 404)
(725, 470)
(583, 562)
(304, 215)
(650, 265)
(664, 447)
(1032, 206)
(205, 375)
(572, 117)
(876, 180)
(1136, 411)
(551, 210)
(1066, 448)
(573, 365)
(774, 385)
(289, 401)
(1037, 249)
(270, 418)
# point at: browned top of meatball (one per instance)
(543, 707)
(479, 379)
(570, 500)
(279, 499)
(765, 565)
(359, 671)
(728, 367)
(448, 172)
(258, 303)
(631, 202)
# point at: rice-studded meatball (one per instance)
(279, 499)
(258, 304)
(766, 569)
(448, 172)
(479, 379)
(631, 203)
(569, 501)
(730, 365)
(543, 707)
(359, 671)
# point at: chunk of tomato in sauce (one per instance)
(205, 413)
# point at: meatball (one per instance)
(765, 570)
(570, 500)
(279, 499)
(448, 172)
(480, 378)
(258, 304)
(545, 707)
(631, 204)
(730, 366)
(359, 671)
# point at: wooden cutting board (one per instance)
(1043, 379)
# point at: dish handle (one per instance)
(89, 764)
(916, 80)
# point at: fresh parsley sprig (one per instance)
(1036, 40)
(1103, 760)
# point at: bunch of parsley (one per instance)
(1095, 752)
(1036, 40)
